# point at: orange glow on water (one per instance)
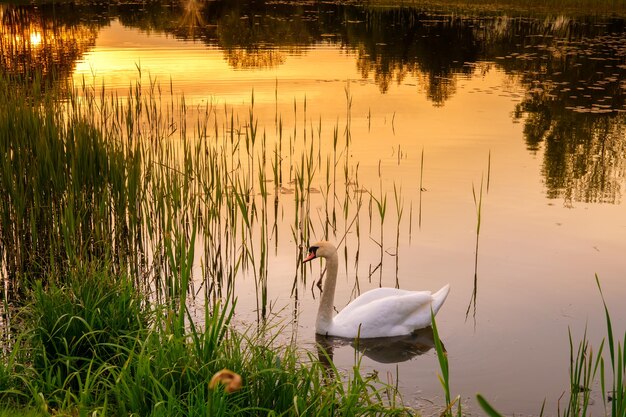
(35, 38)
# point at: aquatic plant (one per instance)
(444, 377)
(583, 372)
(132, 179)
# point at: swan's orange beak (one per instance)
(311, 256)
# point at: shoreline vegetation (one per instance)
(592, 4)
(593, 7)
(95, 346)
(104, 199)
(561, 6)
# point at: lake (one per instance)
(477, 147)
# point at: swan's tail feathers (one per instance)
(439, 297)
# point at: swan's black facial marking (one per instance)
(312, 253)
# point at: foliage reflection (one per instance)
(572, 69)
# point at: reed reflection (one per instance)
(380, 349)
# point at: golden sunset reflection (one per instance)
(458, 121)
(35, 39)
(192, 16)
(476, 118)
(30, 44)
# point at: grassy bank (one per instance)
(94, 346)
(591, 6)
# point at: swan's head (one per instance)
(322, 249)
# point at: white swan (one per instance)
(381, 312)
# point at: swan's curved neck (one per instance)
(325, 312)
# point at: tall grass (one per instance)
(131, 179)
(444, 377)
(108, 197)
(478, 204)
(615, 389)
(70, 193)
(89, 349)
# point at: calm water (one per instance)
(528, 107)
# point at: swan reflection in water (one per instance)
(380, 349)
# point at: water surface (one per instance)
(523, 112)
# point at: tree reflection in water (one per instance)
(571, 68)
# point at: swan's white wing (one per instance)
(399, 313)
(373, 295)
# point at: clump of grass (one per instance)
(69, 191)
(94, 347)
(617, 394)
(10, 412)
(81, 328)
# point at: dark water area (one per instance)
(524, 108)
